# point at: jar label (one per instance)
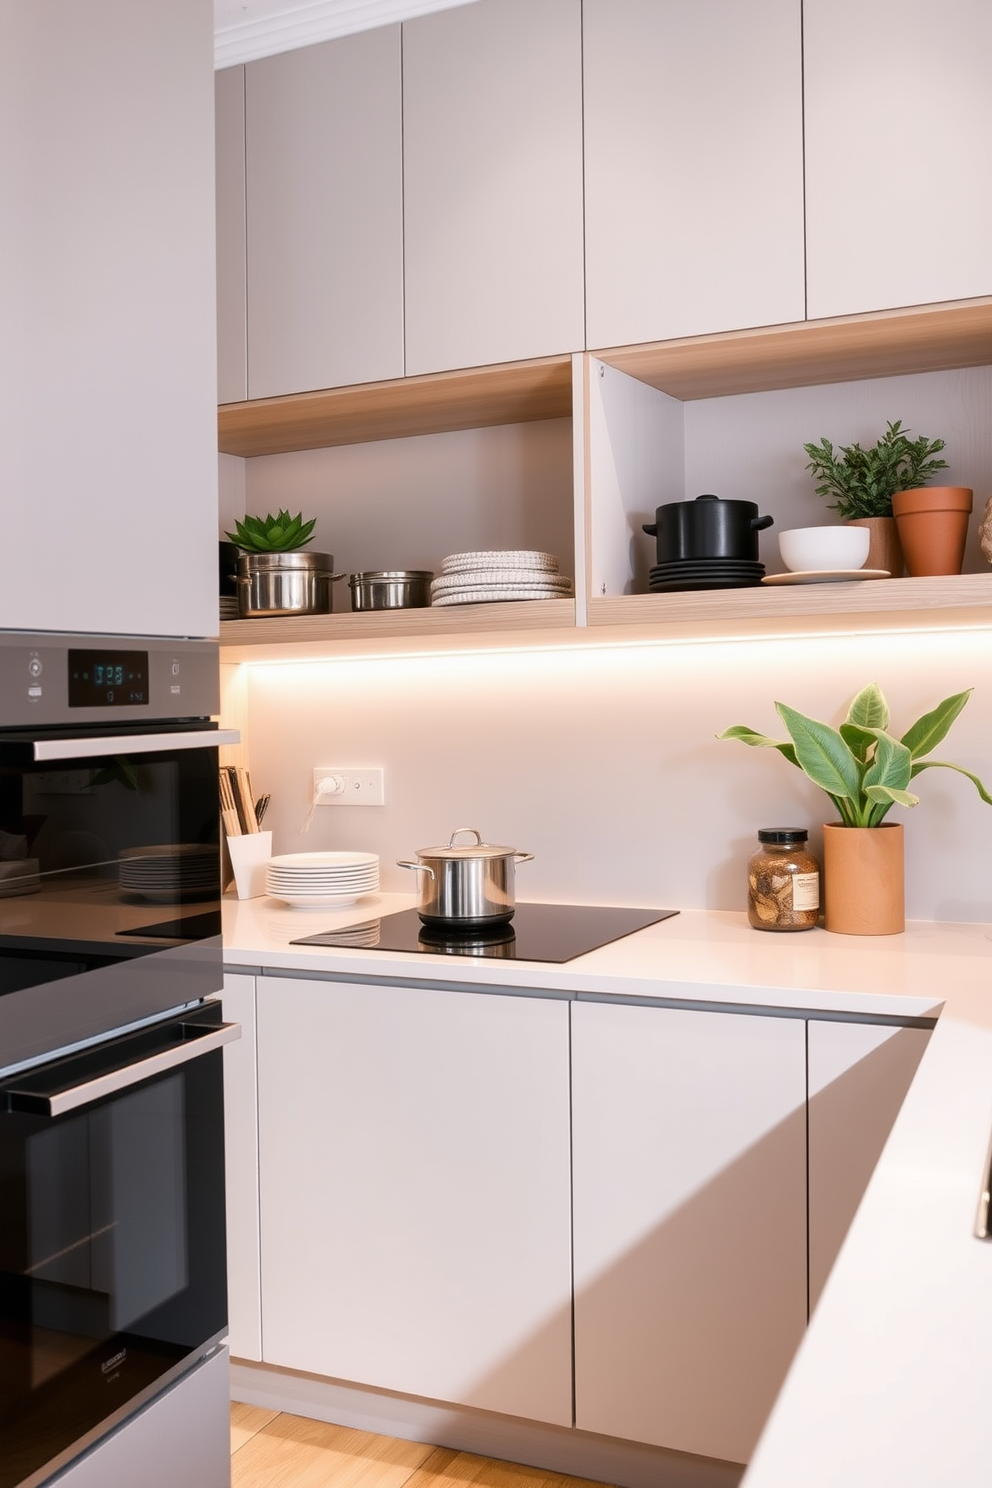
(806, 891)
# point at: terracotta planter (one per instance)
(933, 528)
(864, 879)
(884, 550)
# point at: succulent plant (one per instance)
(272, 534)
(865, 480)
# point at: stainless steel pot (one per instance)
(295, 583)
(466, 884)
(391, 589)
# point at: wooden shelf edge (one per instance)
(438, 403)
(885, 343)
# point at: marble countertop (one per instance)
(892, 1383)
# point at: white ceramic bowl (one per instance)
(819, 549)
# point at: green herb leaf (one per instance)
(943, 765)
(822, 754)
(927, 732)
(760, 741)
(869, 709)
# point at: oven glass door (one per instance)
(109, 883)
(112, 1246)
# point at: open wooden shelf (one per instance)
(476, 398)
(888, 343)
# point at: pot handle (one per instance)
(522, 857)
(474, 830)
(417, 867)
(651, 528)
(759, 523)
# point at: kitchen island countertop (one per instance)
(892, 1382)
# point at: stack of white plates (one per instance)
(321, 880)
(484, 578)
(167, 872)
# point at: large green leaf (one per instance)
(927, 732)
(892, 764)
(869, 709)
(822, 754)
(759, 741)
(943, 765)
(860, 741)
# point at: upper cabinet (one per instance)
(694, 167)
(232, 263)
(324, 215)
(898, 118)
(107, 302)
(492, 144)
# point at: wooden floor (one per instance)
(273, 1450)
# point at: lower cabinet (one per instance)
(859, 1074)
(689, 1171)
(414, 1178)
(241, 1152)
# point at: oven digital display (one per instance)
(107, 679)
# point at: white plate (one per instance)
(492, 596)
(318, 901)
(325, 860)
(827, 576)
(506, 558)
(511, 578)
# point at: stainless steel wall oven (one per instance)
(112, 1231)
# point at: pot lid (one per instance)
(476, 849)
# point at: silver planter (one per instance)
(295, 583)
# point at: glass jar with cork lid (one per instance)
(783, 881)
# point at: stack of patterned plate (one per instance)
(485, 578)
(321, 880)
(168, 872)
(704, 573)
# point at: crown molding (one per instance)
(283, 25)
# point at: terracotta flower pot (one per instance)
(884, 550)
(933, 528)
(864, 879)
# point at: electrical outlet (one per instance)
(348, 786)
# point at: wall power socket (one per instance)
(345, 785)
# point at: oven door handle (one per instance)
(96, 744)
(181, 1042)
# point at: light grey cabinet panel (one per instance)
(492, 137)
(414, 1191)
(108, 378)
(324, 203)
(689, 1205)
(693, 167)
(898, 123)
(232, 329)
(241, 1165)
(858, 1078)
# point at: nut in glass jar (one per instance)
(783, 881)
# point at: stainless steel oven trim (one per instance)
(97, 744)
(197, 1041)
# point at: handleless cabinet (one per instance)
(689, 1171)
(232, 263)
(241, 1154)
(414, 1184)
(324, 215)
(492, 148)
(898, 114)
(693, 167)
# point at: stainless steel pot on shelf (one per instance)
(391, 589)
(294, 583)
(466, 884)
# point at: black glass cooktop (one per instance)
(537, 932)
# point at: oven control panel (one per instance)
(48, 680)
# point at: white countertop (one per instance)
(893, 1382)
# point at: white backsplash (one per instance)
(604, 762)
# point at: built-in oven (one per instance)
(112, 1230)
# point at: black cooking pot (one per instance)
(707, 528)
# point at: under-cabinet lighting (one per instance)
(247, 29)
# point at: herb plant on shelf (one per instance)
(863, 481)
(272, 534)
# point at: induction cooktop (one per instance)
(537, 932)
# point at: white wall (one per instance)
(604, 762)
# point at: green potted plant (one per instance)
(865, 770)
(275, 576)
(864, 481)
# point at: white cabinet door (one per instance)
(858, 1077)
(232, 267)
(693, 167)
(492, 142)
(324, 198)
(898, 122)
(415, 1191)
(689, 1171)
(108, 377)
(241, 1154)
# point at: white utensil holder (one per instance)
(249, 855)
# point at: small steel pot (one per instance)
(294, 583)
(707, 528)
(468, 884)
(391, 589)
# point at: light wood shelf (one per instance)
(476, 398)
